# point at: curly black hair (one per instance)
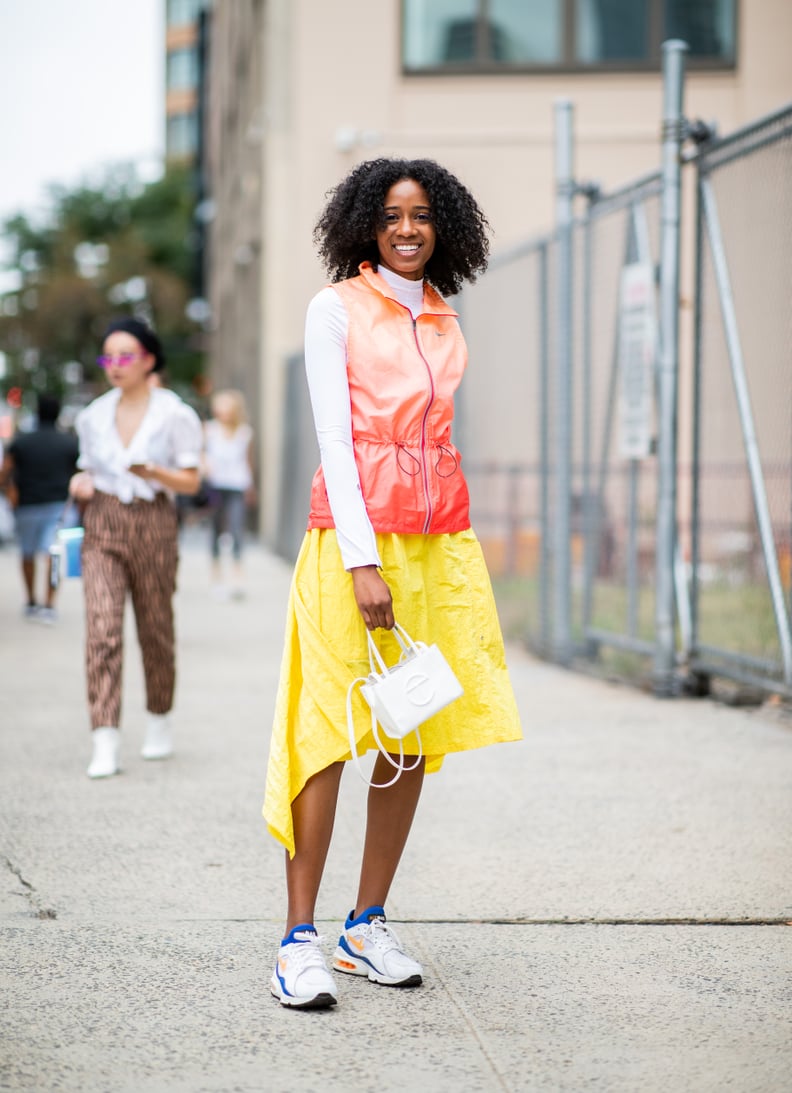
(344, 233)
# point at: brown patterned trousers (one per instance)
(129, 548)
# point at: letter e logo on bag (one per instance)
(419, 689)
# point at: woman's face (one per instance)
(406, 239)
(223, 409)
(125, 361)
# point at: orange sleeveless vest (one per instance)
(402, 377)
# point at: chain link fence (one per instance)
(504, 428)
(732, 567)
(741, 514)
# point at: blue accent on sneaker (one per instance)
(365, 916)
(304, 928)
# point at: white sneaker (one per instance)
(301, 979)
(105, 760)
(368, 946)
(158, 743)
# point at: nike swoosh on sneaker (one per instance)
(357, 943)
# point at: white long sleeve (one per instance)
(326, 327)
(325, 367)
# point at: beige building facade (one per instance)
(301, 90)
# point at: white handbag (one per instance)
(402, 697)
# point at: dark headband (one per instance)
(144, 334)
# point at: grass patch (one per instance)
(736, 617)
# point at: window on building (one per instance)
(611, 30)
(441, 33)
(708, 26)
(500, 35)
(181, 136)
(183, 12)
(182, 69)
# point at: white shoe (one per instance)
(158, 743)
(368, 946)
(105, 760)
(301, 979)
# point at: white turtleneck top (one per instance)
(326, 327)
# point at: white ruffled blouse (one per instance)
(169, 435)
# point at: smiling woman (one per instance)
(388, 539)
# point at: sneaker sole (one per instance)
(319, 1001)
(344, 963)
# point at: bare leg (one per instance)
(51, 590)
(313, 813)
(389, 819)
(29, 575)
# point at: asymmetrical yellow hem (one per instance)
(441, 594)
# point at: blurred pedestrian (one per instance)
(388, 538)
(228, 473)
(35, 473)
(140, 444)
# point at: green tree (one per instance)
(115, 248)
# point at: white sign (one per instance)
(637, 348)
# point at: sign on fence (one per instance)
(637, 345)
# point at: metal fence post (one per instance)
(668, 367)
(545, 566)
(562, 554)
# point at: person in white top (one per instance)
(228, 470)
(139, 446)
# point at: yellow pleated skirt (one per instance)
(441, 594)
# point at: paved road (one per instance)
(604, 906)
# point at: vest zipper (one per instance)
(424, 465)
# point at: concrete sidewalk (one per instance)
(604, 906)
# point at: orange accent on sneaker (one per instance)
(357, 943)
(346, 964)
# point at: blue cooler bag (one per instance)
(66, 554)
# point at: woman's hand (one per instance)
(81, 486)
(181, 480)
(373, 597)
(144, 470)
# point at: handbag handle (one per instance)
(375, 657)
(402, 637)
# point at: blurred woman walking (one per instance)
(139, 446)
(228, 470)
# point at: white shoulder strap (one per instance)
(375, 662)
